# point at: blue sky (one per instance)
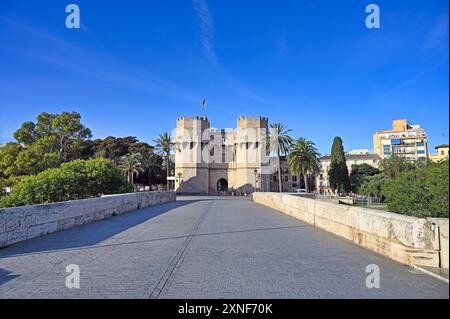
(135, 66)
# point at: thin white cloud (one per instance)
(281, 44)
(95, 65)
(438, 35)
(206, 25)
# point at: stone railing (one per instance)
(22, 223)
(406, 239)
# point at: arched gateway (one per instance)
(222, 185)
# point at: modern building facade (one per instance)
(441, 153)
(404, 140)
(355, 157)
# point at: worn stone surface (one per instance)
(204, 247)
(407, 239)
(442, 223)
(22, 223)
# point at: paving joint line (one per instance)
(162, 286)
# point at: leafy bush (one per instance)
(360, 172)
(422, 192)
(372, 185)
(73, 180)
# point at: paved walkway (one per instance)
(204, 247)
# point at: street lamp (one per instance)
(256, 173)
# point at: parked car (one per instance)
(300, 190)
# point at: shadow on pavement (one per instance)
(6, 275)
(92, 233)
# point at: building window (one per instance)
(294, 178)
(420, 152)
(321, 176)
(442, 153)
(420, 144)
(396, 141)
(286, 178)
(274, 178)
(191, 145)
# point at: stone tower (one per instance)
(249, 146)
(208, 161)
(191, 172)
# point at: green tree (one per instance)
(64, 129)
(395, 165)
(115, 147)
(131, 164)
(8, 156)
(338, 174)
(25, 135)
(421, 192)
(74, 180)
(151, 165)
(304, 158)
(373, 185)
(163, 146)
(359, 174)
(278, 142)
(37, 157)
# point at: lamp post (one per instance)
(256, 173)
(179, 182)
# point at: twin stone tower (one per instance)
(211, 161)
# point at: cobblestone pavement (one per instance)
(204, 247)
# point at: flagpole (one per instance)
(204, 107)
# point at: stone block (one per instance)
(37, 231)
(3, 240)
(17, 235)
(65, 223)
(2, 222)
(20, 220)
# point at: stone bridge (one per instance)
(204, 247)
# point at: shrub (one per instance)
(422, 192)
(73, 180)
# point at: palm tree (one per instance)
(131, 164)
(304, 158)
(278, 143)
(151, 165)
(163, 146)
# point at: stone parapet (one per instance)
(26, 222)
(406, 239)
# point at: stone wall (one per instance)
(406, 239)
(22, 223)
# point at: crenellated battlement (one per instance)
(252, 121)
(192, 118)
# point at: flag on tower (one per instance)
(204, 103)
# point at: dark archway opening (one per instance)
(222, 185)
